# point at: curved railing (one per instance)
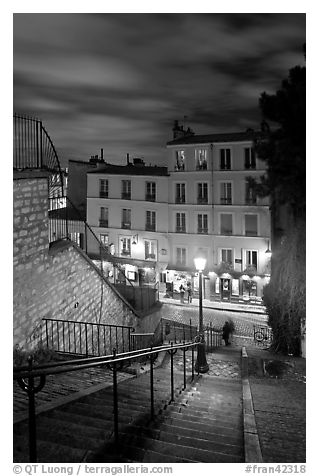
(34, 149)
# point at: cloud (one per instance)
(121, 79)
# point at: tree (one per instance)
(283, 149)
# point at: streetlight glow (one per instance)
(200, 263)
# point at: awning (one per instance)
(176, 267)
(124, 260)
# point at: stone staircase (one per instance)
(202, 424)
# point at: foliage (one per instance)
(285, 295)
(40, 355)
(284, 148)
(284, 151)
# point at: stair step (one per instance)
(181, 451)
(230, 418)
(181, 439)
(183, 421)
(212, 435)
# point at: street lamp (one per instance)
(201, 364)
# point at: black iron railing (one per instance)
(68, 223)
(26, 376)
(84, 338)
(213, 338)
(263, 335)
(34, 149)
(173, 331)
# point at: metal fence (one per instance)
(84, 338)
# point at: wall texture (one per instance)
(60, 282)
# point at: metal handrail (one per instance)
(103, 250)
(34, 149)
(25, 376)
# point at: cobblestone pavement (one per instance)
(57, 387)
(223, 363)
(280, 408)
(244, 323)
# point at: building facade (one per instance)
(156, 220)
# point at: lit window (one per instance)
(104, 239)
(201, 159)
(125, 246)
(150, 249)
(180, 160)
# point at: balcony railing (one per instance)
(202, 200)
(150, 197)
(126, 226)
(180, 229)
(180, 200)
(103, 223)
(126, 196)
(150, 227)
(201, 166)
(226, 201)
(203, 231)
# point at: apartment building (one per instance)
(156, 220)
(222, 216)
(127, 210)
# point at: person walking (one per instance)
(226, 332)
(182, 292)
(189, 292)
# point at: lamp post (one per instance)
(201, 364)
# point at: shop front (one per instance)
(237, 287)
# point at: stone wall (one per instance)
(60, 282)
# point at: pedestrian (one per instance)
(182, 292)
(189, 292)
(226, 332)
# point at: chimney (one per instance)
(101, 154)
(127, 159)
(178, 131)
(138, 162)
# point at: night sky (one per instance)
(118, 81)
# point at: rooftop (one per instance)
(219, 137)
(130, 169)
